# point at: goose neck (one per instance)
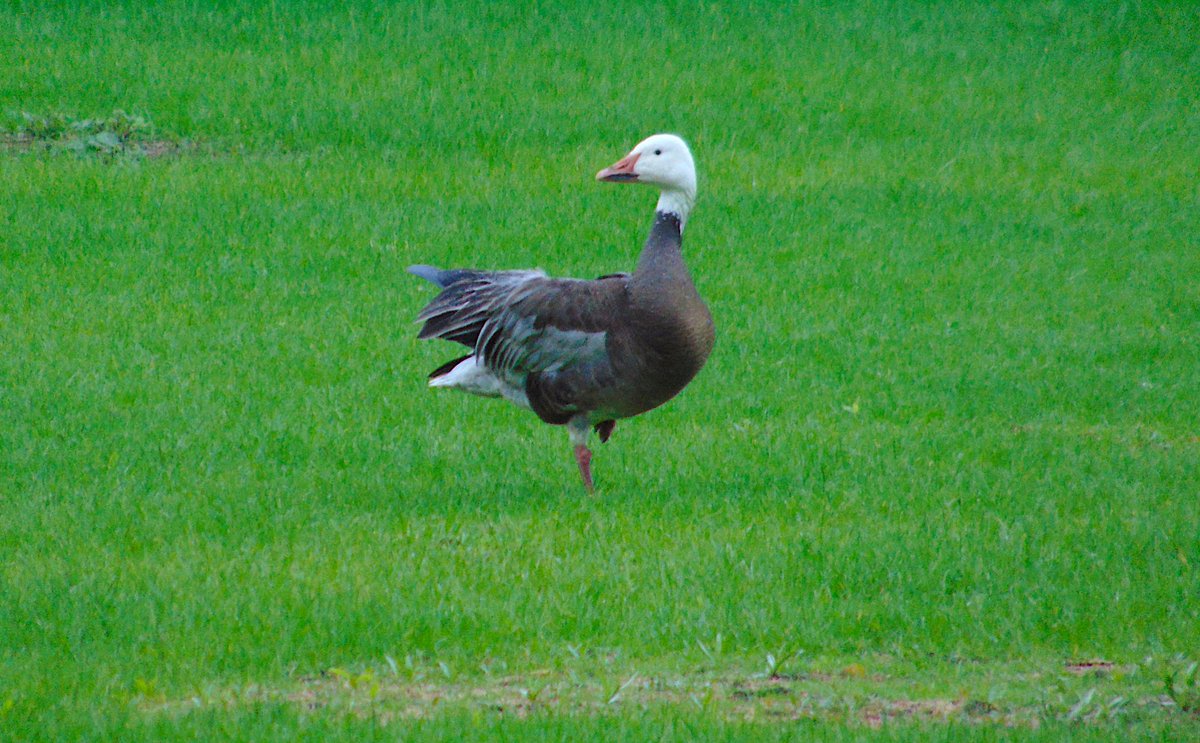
(677, 202)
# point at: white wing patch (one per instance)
(473, 377)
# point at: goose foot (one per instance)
(583, 456)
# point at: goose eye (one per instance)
(658, 152)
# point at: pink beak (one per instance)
(621, 170)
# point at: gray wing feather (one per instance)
(446, 278)
(522, 321)
(513, 341)
(465, 305)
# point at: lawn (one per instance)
(940, 479)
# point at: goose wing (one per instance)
(524, 322)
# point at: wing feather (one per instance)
(551, 325)
(551, 337)
(461, 310)
(524, 321)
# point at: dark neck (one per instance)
(662, 255)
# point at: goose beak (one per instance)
(620, 171)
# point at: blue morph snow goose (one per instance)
(576, 352)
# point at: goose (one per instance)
(583, 353)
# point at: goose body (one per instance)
(577, 352)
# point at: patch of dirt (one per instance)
(979, 708)
(877, 713)
(854, 699)
(760, 688)
(162, 148)
(759, 693)
(1083, 667)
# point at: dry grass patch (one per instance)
(1084, 692)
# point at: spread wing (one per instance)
(550, 336)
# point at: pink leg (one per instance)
(583, 456)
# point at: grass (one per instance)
(946, 446)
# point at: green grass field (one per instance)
(940, 479)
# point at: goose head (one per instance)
(662, 160)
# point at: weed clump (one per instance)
(116, 135)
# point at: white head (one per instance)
(665, 161)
